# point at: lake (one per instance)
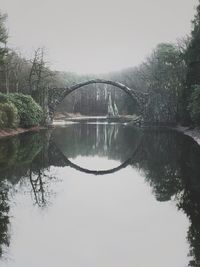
(99, 195)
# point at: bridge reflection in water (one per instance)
(168, 160)
(66, 162)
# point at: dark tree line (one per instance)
(170, 75)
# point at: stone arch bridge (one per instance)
(56, 95)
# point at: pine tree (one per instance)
(192, 59)
(193, 52)
(3, 37)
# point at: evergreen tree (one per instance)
(3, 37)
(192, 59)
(193, 52)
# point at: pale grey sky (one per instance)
(91, 36)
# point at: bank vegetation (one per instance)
(170, 75)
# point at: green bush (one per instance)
(194, 106)
(19, 110)
(11, 113)
(3, 98)
(30, 113)
(3, 119)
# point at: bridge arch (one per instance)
(64, 161)
(56, 95)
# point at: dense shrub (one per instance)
(3, 114)
(194, 106)
(3, 98)
(30, 113)
(3, 119)
(11, 113)
(19, 109)
(8, 115)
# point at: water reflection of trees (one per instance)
(4, 218)
(115, 142)
(189, 201)
(22, 157)
(170, 162)
(40, 181)
(160, 161)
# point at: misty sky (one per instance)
(91, 36)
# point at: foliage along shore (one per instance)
(19, 111)
(170, 77)
(13, 132)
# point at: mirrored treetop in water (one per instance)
(169, 161)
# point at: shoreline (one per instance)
(194, 133)
(12, 132)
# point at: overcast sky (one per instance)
(91, 36)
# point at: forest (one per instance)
(169, 75)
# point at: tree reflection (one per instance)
(112, 141)
(38, 188)
(190, 204)
(169, 160)
(159, 160)
(4, 217)
(22, 158)
(40, 181)
(170, 163)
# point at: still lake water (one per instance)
(99, 195)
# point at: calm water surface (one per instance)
(99, 195)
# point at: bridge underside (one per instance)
(56, 95)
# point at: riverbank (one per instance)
(194, 133)
(12, 132)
